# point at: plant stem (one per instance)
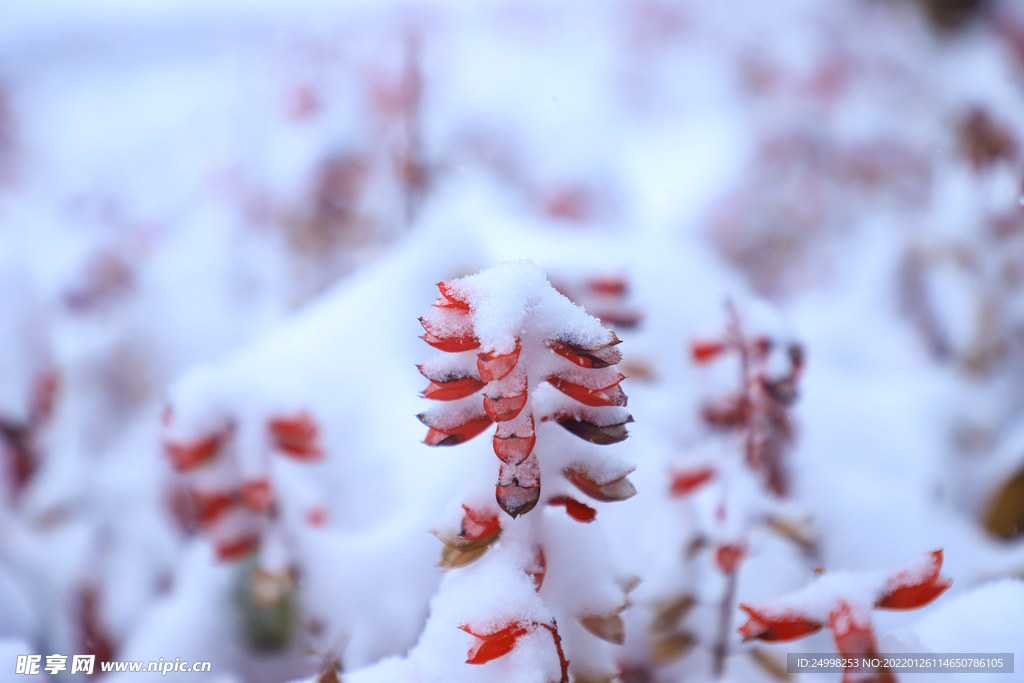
(721, 648)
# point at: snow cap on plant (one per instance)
(511, 339)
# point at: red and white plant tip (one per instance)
(508, 332)
(842, 602)
(491, 646)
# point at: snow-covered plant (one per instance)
(522, 355)
(757, 415)
(842, 602)
(758, 411)
(229, 493)
(527, 335)
(227, 475)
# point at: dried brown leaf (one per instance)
(796, 531)
(770, 664)
(606, 627)
(668, 648)
(668, 613)
(1005, 515)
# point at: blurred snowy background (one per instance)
(218, 215)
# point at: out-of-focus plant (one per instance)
(843, 601)
(229, 495)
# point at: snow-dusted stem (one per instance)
(721, 647)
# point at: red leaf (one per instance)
(477, 524)
(188, 456)
(685, 482)
(577, 510)
(210, 507)
(450, 436)
(494, 645)
(703, 351)
(448, 343)
(513, 449)
(454, 389)
(853, 636)
(611, 395)
(910, 589)
(296, 436)
(256, 496)
(518, 488)
(494, 367)
(505, 408)
(451, 344)
(851, 631)
(236, 549)
(608, 285)
(588, 358)
(515, 499)
(728, 557)
(453, 299)
(775, 627)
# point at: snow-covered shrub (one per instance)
(843, 601)
(531, 594)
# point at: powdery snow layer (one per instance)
(224, 219)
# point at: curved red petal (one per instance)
(516, 499)
(609, 285)
(513, 449)
(451, 344)
(296, 436)
(478, 523)
(774, 627)
(494, 645)
(210, 507)
(685, 482)
(577, 510)
(504, 408)
(457, 434)
(703, 351)
(453, 299)
(188, 456)
(493, 367)
(912, 597)
(588, 358)
(453, 390)
(236, 549)
(851, 631)
(910, 590)
(611, 395)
